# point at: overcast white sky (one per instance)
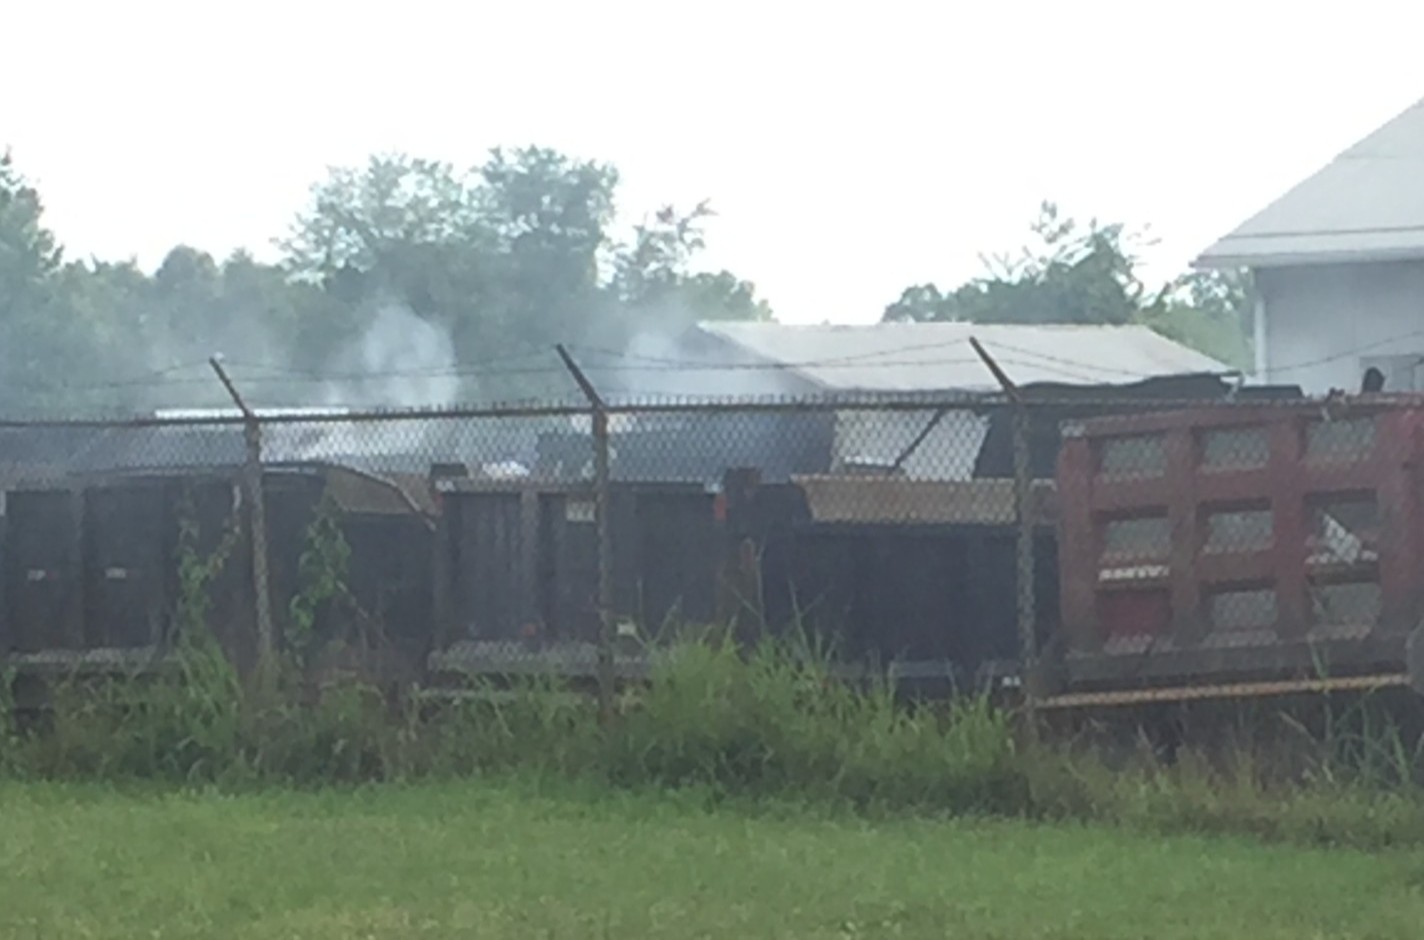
(848, 153)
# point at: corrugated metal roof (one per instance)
(1365, 205)
(925, 357)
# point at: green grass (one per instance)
(480, 859)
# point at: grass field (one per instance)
(496, 860)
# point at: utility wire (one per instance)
(295, 377)
(1074, 363)
(815, 363)
(472, 367)
(496, 367)
(1356, 350)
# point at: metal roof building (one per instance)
(853, 365)
(928, 357)
(1365, 205)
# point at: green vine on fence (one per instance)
(196, 572)
(208, 693)
(321, 574)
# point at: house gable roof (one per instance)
(1365, 205)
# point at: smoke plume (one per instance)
(400, 361)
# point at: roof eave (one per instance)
(1209, 261)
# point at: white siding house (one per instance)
(1339, 267)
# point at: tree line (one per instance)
(1090, 272)
(488, 267)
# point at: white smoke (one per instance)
(662, 364)
(400, 361)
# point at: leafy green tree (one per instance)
(362, 220)
(652, 274)
(503, 257)
(1072, 274)
(28, 251)
(400, 230)
(721, 295)
(1209, 311)
(184, 294)
(503, 260)
(1089, 273)
(110, 308)
(551, 215)
(510, 258)
(289, 322)
(37, 334)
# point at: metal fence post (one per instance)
(1026, 574)
(602, 495)
(257, 520)
(1027, 513)
(261, 585)
(602, 511)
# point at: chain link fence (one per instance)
(952, 540)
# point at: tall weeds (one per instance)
(776, 721)
(771, 721)
(723, 719)
(729, 722)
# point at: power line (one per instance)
(635, 363)
(1346, 354)
(625, 362)
(853, 363)
(147, 379)
(281, 375)
(472, 367)
(817, 363)
(784, 366)
(874, 359)
(294, 377)
(1092, 366)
